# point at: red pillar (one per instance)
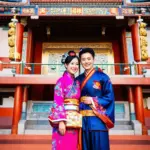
(140, 108)
(24, 103)
(135, 42)
(25, 94)
(139, 104)
(17, 109)
(29, 52)
(18, 69)
(125, 52)
(130, 94)
(19, 39)
(139, 69)
(131, 103)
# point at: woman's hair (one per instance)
(68, 57)
(86, 50)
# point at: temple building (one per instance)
(35, 33)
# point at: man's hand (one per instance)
(87, 100)
(62, 128)
(94, 110)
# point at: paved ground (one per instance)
(33, 142)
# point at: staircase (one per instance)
(122, 128)
(43, 142)
(38, 127)
(42, 127)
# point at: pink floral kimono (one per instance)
(65, 88)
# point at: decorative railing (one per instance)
(52, 69)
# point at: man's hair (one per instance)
(86, 50)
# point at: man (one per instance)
(96, 103)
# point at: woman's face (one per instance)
(73, 66)
(87, 61)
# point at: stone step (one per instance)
(38, 142)
(48, 127)
(122, 122)
(148, 132)
(121, 132)
(37, 122)
(47, 122)
(122, 127)
(49, 132)
(38, 127)
(5, 131)
(41, 127)
(38, 132)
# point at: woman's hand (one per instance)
(62, 128)
(87, 100)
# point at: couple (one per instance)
(92, 94)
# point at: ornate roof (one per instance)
(137, 4)
(76, 1)
(3, 3)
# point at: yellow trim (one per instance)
(87, 113)
(71, 101)
(83, 98)
(87, 78)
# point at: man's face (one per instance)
(87, 61)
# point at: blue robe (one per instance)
(99, 87)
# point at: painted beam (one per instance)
(77, 10)
(40, 79)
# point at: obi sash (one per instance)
(72, 105)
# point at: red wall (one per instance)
(6, 112)
(118, 90)
(4, 59)
(117, 58)
(147, 118)
(6, 115)
(37, 57)
(37, 90)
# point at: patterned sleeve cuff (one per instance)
(99, 107)
(57, 113)
(95, 101)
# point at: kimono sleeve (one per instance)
(107, 93)
(57, 111)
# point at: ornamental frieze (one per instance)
(87, 11)
(137, 2)
(70, 10)
(28, 11)
(78, 11)
(76, 1)
(14, 2)
(52, 53)
(76, 45)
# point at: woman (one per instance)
(67, 91)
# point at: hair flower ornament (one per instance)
(72, 53)
(81, 49)
(64, 56)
